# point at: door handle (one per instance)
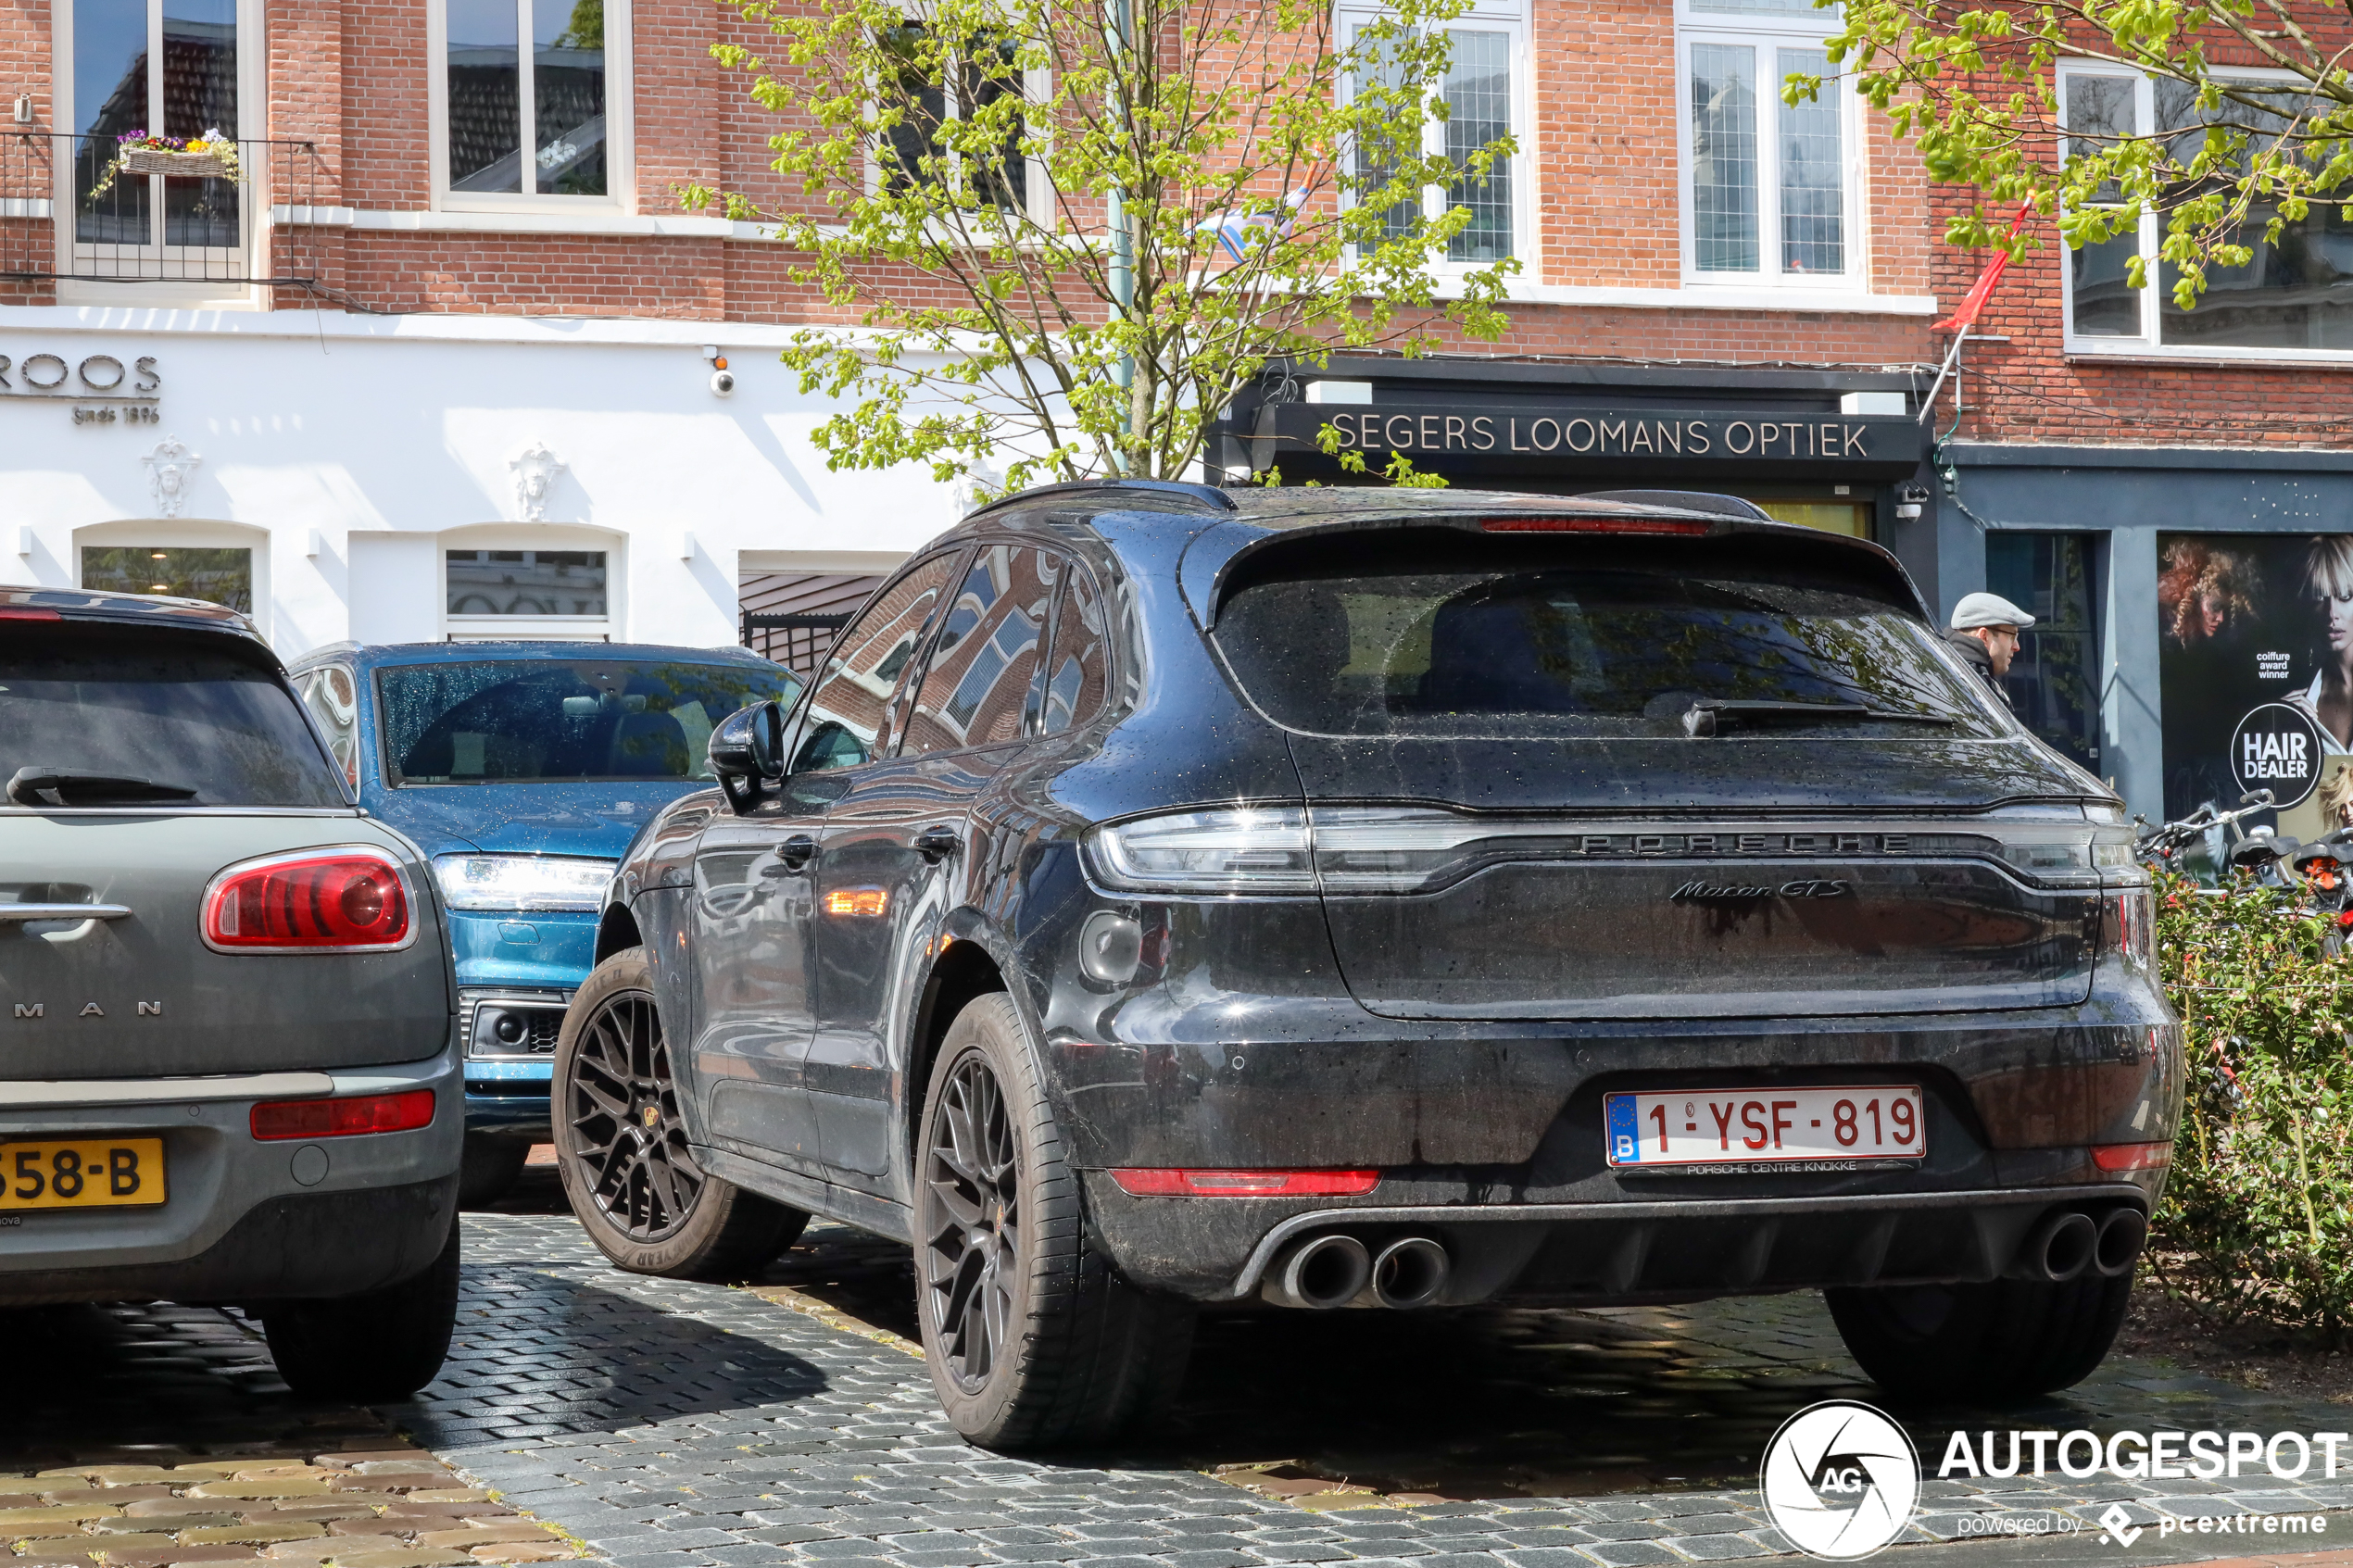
(792, 855)
(937, 844)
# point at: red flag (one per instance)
(1982, 290)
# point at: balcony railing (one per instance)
(62, 218)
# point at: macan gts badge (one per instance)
(1298, 899)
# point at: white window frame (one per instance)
(621, 144)
(2150, 341)
(1483, 15)
(1769, 33)
(1037, 87)
(253, 83)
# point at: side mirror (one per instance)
(747, 749)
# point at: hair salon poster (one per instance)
(2255, 639)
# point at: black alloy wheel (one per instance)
(1033, 1338)
(623, 1108)
(622, 1143)
(972, 1246)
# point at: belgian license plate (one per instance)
(1810, 1127)
(83, 1172)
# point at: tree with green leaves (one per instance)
(1059, 238)
(2227, 120)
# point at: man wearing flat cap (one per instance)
(1985, 629)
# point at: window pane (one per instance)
(1078, 671)
(2099, 110)
(1724, 157)
(110, 100)
(526, 583)
(1478, 104)
(1813, 171)
(2051, 681)
(221, 577)
(1379, 152)
(977, 686)
(2296, 293)
(990, 77)
(847, 711)
(568, 95)
(485, 97)
(1832, 18)
(913, 151)
(199, 95)
(2105, 303)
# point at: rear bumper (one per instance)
(244, 1220)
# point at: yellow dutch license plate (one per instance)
(81, 1173)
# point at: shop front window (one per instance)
(2052, 684)
(1850, 517)
(223, 577)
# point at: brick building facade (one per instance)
(450, 305)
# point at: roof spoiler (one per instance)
(1113, 491)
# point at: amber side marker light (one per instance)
(1139, 1183)
(859, 903)
(402, 1112)
(1593, 525)
(2133, 1156)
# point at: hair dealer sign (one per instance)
(1473, 439)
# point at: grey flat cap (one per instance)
(1988, 609)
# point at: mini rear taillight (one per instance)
(1245, 1184)
(402, 1112)
(348, 899)
(2133, 1156)
(18, 612)
(1594, 525)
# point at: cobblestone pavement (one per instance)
(680, 1425)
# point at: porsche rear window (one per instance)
(1410, 647)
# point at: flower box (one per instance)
(186, 166)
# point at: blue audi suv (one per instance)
(523, 770)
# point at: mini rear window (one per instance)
(177, 710)
(1420, 644)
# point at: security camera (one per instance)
(723, 383)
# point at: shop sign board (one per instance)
(1536, 438)
(100, 388)
(2255, 669)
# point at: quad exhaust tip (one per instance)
(1325, 1271)
(2070, 1242)
(1409, 1272)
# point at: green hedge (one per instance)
(2255, 1221)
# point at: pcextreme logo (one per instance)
(1841, 1480)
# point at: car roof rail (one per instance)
(1116, 491)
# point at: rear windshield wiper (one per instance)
(29, 784)
(1710, 713)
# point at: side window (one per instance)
(852, 699)
(1078, 670)
(333, 699)
(976, 685)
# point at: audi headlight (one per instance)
(521, 881)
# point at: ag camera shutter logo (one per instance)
(1841, 1480)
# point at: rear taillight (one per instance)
(347, 900)
(2133, 1156)
(1593, 525)
(402, 1112)
(1144, 1183)
(18, 612)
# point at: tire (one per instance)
(1034, 1341)
(491, 1167)
(2001, 1343)
(620, 1144)
(382, 1346)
